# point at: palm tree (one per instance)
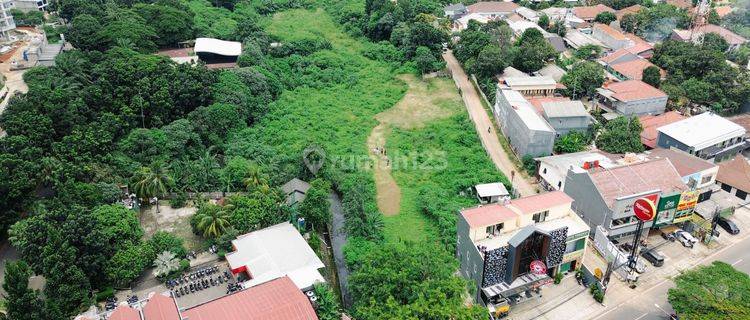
(165, 263)
(214, 220)
(254, 177)
(151, 182)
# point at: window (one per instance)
(540, 216)
(580, 243)
(726, 187)
(544, 170)
(495, 229)
(741, 194)
(621, 222)
(706, 179)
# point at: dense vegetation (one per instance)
(621, 135)
(655, 22)
(717, 291)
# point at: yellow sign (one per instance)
(598, 273)
(688, 200)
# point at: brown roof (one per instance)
(736, 173)
(722, 11)
(617, 54)
(612, 32)
(685, 164)
(537, 101)
(590, 12)
(539, 202)
(743, 120)
(731, 37)
(651, 123)
(124, 313)
(487, 215)
(278, 299)
(634, 69)
(628, 10)
(496, 213)
(636, 178)
(492, 6)
(633, 90)
(160, 307)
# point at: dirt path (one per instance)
(482, 122)
(420, 105)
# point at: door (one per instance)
(564, 267)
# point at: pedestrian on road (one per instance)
(488, 129)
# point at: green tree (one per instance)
(716, 291)
(21, 302)
(328, 304)
(713, 17)
(605, 17)
(544, 22)
(652, 76)
(125, 28)
(212, 220)
(714, 41)
(128, 263)
(119, 226)
(424, 60)
(588, 52)
(532, 51)
(315, 208)
(570, 142)
(151, 182)
(254, 177)
(84, 32)
(165, 263)
(490, 62)
(171, 24)
(67, 288)
(164, 241)
(629, 23)
(584, 78)
(621, 135)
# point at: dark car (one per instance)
(728, 225)
(655, 258)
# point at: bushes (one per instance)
(178, 200)
(102, 295)
(596, 292)
(558, 277)
(164, 241)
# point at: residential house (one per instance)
(734, 177)
(650, 123)
(493, 9)
(528, 14)
(553, 169)
(605, 196)
(628, 10)
(527, 132)
(632, 97)
(455, 11)
(624, 65)
(491, 193)
(589, 13)
(530, 86)
(553, 39)
(498, 245)
(723, 11)
(696, 35)
(576, 39)
(275, 252)
(295, 191)
(563, 14)
(31, 5)
(696, 173)
(707, 136)
(463, 22)
(552, 71)
(566, 116)
(611, 37)
(6, 19)
(682, 4)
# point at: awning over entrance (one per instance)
(521, 284)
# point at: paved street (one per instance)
(482, 122)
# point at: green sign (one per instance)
(666, 208)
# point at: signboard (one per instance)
(687, 203)
(666, 208)
(624, 207)
(538, 267)
(644, 209)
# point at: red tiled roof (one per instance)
(160, 307)
(640, 48)
(736, 173)
(634, 69)
(632, 90)
(651, 123)
(685, 164)
(590, 12)
(617, 54)
(124, 313)
(492, 6)
(539, 202)
(722, 11)
(636, 178)
(278, 299)
(487, 215)
(628, 10)
(731, 37)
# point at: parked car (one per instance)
(728, 226)
(685, 238)
(627, 247)
(654, 257)
(668, 236)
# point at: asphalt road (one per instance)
(653, 304)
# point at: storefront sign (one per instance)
(666, 208)
(688, 200)
(644, 209)
(538, 267)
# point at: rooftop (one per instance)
(553, 71)
(277, 299)
(455, 7)
(563, 162)
(540, 202)
(650, 123)
(160, 307)
(628, 10)
(736, 173)
(216, 46)
(685, 164)
(635, 179)
(577, 39)
(487, 215)
(590, 12)
(703, 130)
(633, 90)
(491, 189)
(527, 13)
(633, 69)
(731, 37)
(723, 11)
(492, 6)
(537, 101)
(275, 252)
(295, 185)
(495, 213)
(530, 81)
(525, 111)
(612, 32)
(564, 109)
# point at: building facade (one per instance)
(554, 169)
(633, 97)
(566, 116)
(6, 19)
(502, 246)
(707, 136)
(527, 132)
(31, 5)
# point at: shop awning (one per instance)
(521, 284)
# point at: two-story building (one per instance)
(632, 97)
(527, 132)
(554, 169)
(707, 136)
(605, 196)
(566, 116)
(510, 250)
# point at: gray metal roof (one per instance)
(295, 185)
(455, 7)
(564, 109)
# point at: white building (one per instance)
(6, 19)
(554, 169)
(31, 5)
(275, 252)
(707, 136)
(531, 86)
(528, 133)
(492, 192)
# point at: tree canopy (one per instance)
(621, 135)
(716, 291)
(584, 78)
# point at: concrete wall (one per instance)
(666, 142)
(551, 177)
(523, 140)
(586, 200)
(564, 125)
(472, 264)
(641, 107)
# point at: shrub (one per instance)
(104, 294)
(558, 277)
(164, 241)
(178, 200)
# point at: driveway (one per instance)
(482, 122)
(338, 241)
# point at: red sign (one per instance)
(538, 267)
(644, 209)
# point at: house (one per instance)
(530, 86)
(589, 13)
(605, 196)
(6, 19)
(275, 252)
(734, 177)
(552, 71)
(508, 249)
(633, 97)
(455, 11)
(696, 173)
(611, 37)
(553, 169)
(566, 116)
(723, 11)
(212, 50)
(696, 35)
(628, 10)
(493, 9)
(563, 14)
(707, 136)
(624, 65)
(463, 22)
(553, 39)
(527, 132)
(277, 299)
(650, 123)
(682, 4)
(491, 193)
(528, 14)
(576, 39)
(295, 191)
(31, 5)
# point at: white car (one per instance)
(685, 238)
